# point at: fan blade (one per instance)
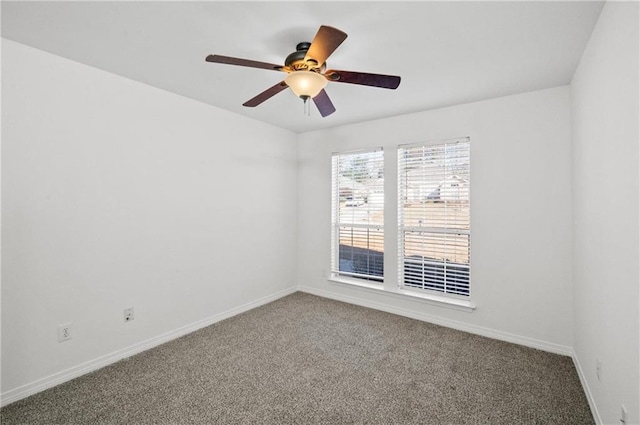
(324, 104)
(243, 62)
(265, 95)
(363, 78)
(324, 43)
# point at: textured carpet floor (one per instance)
(308, 360)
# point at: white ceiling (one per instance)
(447, 53)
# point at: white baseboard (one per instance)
(478, 330)
(587, 390)
(100, 362)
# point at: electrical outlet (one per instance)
(599, 369)
(65, 332)
(128, 314)
(623, 414)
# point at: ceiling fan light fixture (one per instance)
(306, 75)
(305, 83)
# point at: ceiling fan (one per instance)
(307, 73)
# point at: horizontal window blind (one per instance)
(434, 216)
(358, 215)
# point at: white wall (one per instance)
(521, 214)
(118, 194)
(604, 95)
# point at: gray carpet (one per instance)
(308, 360)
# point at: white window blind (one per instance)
(434, 216)
(357, 215)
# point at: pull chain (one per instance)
(307, 105)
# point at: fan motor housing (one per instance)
(296, 60)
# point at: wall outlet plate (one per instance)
(128, 314)
(65, 332)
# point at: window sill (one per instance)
(357, 282)
(440, 301)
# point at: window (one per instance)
(434, 217)
(357, 215)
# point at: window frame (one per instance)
(402, 228)
(350, 277)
